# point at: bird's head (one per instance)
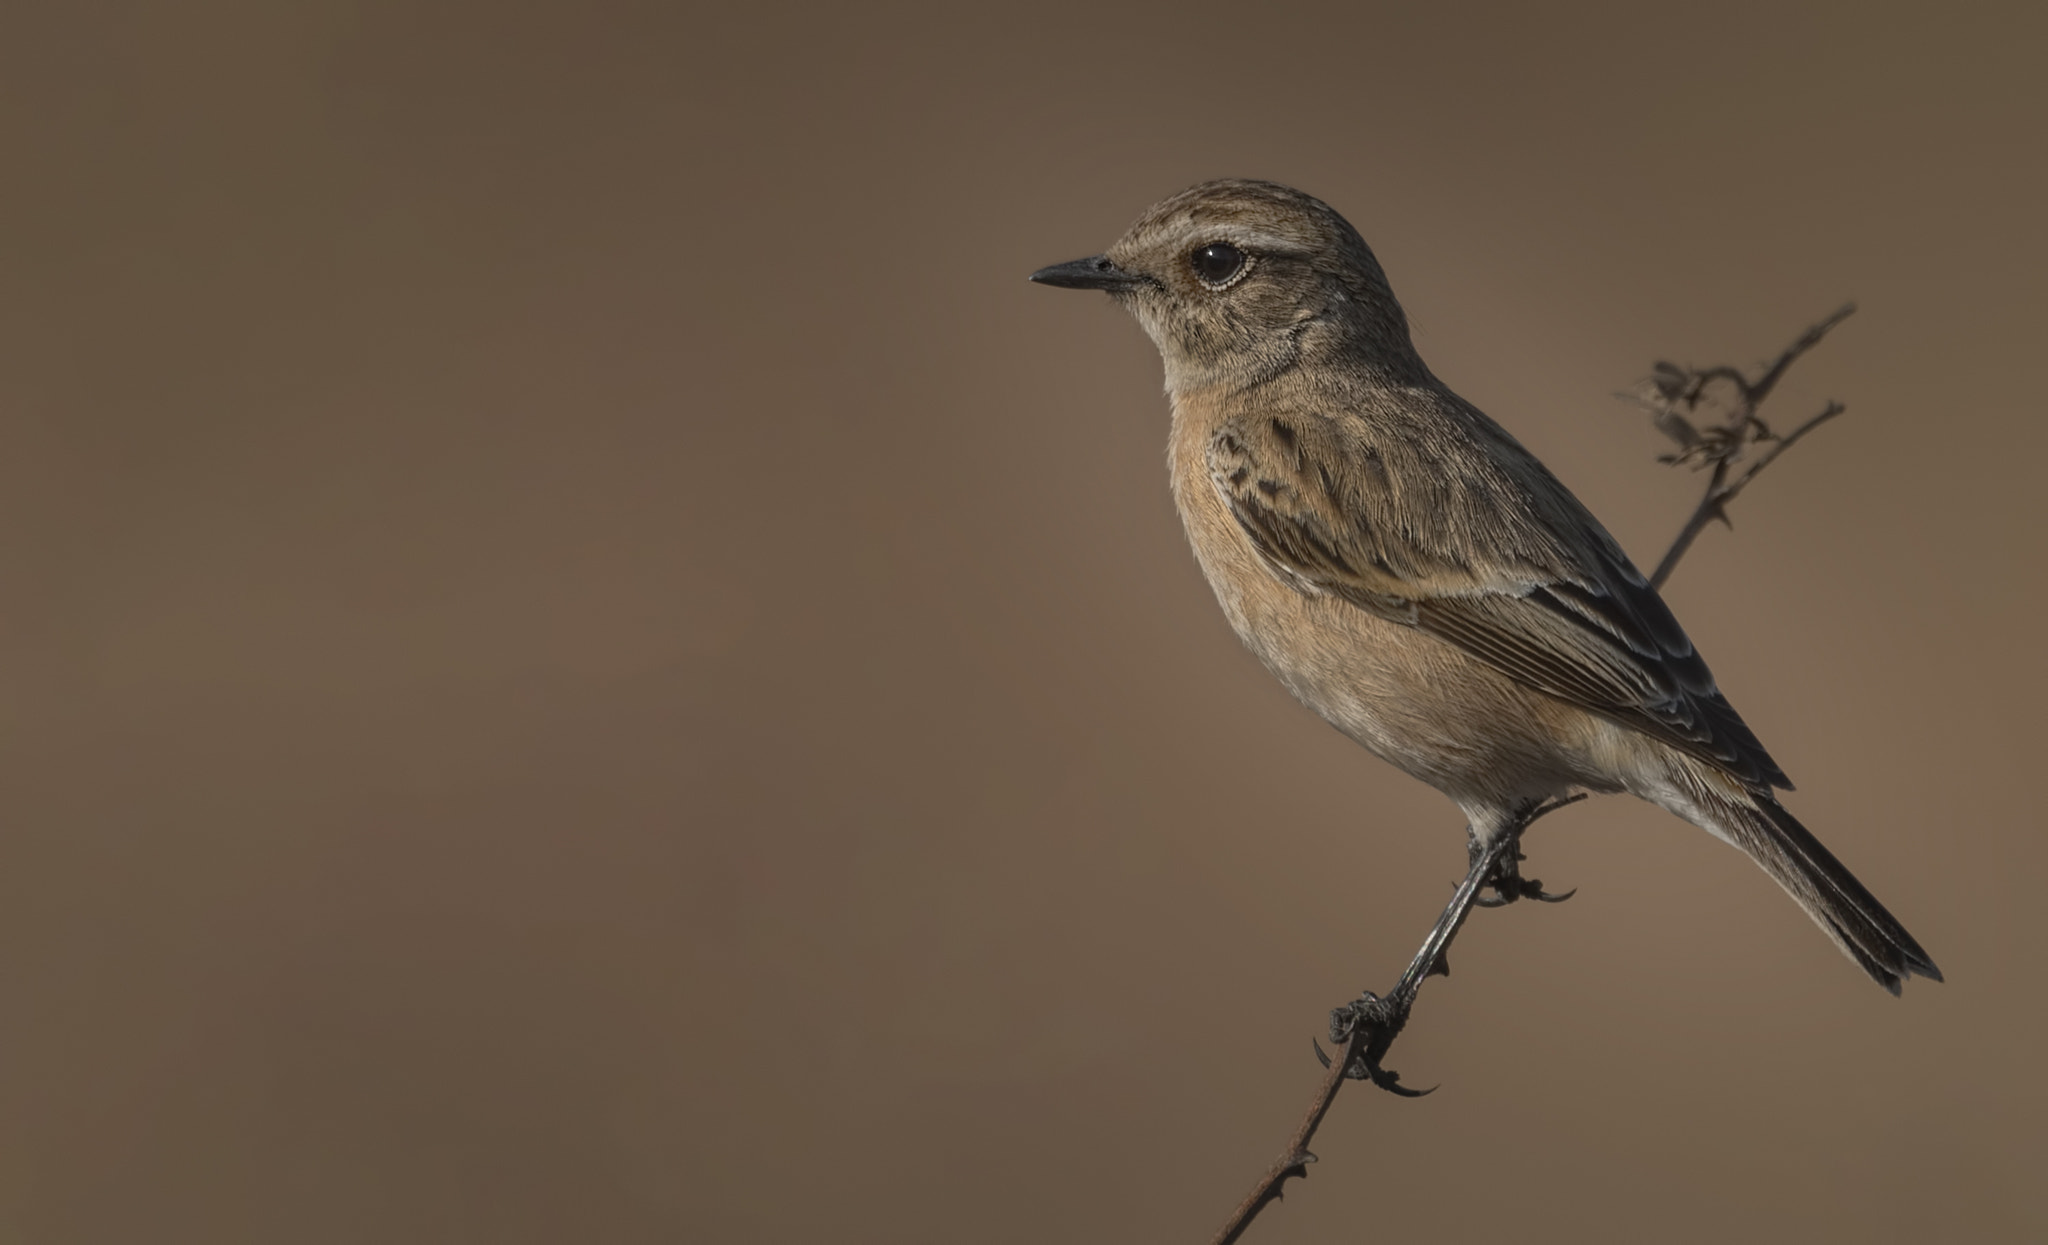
(1238, 281)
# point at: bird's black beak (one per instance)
(1093, 273)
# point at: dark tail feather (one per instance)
(1830, 894)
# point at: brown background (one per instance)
(586, 661)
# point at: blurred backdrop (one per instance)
(585, 659)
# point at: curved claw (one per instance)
(1320, 1056)
(1386, 1080)
(1521, 888)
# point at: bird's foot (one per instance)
(1508, 891)
(1507, 882)
(1366, 1027)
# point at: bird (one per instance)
(1407, 570)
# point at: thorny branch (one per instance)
(1366, 1029)
(1674, 396)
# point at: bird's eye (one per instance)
(1217, 263)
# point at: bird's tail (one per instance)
(1831, 895)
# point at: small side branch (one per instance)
(1675, 397)
(1721, 490)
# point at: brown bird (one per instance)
(1414, 575)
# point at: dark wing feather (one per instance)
(1379, 527)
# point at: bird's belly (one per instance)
(1361, 675)
(1416, 702)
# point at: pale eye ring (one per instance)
(1217, 264)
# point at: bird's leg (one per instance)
(1506, 879)
(1366, 1027)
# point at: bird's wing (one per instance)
(1509, 568)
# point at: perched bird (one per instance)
(1414, 575)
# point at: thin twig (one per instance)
(1724, 445)
(1780, 446)
(1295, 1159)
(1720, 491)
(1807, 341)
(1706, 512)
(1369, 1027)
